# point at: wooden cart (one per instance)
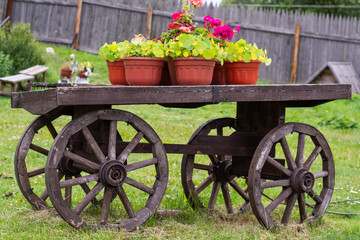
(89, 163)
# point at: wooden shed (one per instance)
(337, 72)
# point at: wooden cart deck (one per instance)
(42, 101)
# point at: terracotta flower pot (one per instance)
(81, 74)
(241, 73)
(116, 72)
(219, 77)
(65, 73)
(143, 71)
(194, 71)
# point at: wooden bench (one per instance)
(35, 71)
(14, 83)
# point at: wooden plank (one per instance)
(35, 70)
(16, 78)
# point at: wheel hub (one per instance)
(302, 181)
(222, 171)
(112, 173)
(66, 166)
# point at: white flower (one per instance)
(50, 50)
(72, 56)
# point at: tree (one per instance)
(345, 7)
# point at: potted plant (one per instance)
(66, 70)
(85, 69)
(242, 62)
(114, 54)
(144, 62)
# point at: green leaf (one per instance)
(187, 40)
(209, 53)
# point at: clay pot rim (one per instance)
(193, 58)
(144, 58)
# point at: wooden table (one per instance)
(94, 156)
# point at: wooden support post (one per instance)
(8, 8)
(77, 24)
(148, 24)
(296, 53)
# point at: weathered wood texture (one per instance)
(40, 102)
(323, 38)
(2, 9)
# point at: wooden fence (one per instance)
(2, 9)
(323, 38)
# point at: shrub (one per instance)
(22, 48)
(5, 65)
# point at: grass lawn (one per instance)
(18, 220)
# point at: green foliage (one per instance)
(339, 122)
(18, 43)
(5, 65)
(146, 48)
(246, 52)
(187, 45)
(114, 51)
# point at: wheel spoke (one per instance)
(93, 144)
(205, 183)
(68, 191)
(214, 159)
(38, 149)
(112, 140)
(300, 150)
(142, 164)
(203, 167)
(36, 172)
(276, 183)
(81, 160)
(88, 198)
(79, 180)
(130, 147)
(106, 205)
(125, 201)
(227, 199)
(316, 197)
(302, 207)
(86, 188)
(239, 190)
(321, 174)
(52, 130)
(44, 195)
(281, 197)
(312, 158)
(289, 208)
(214, 194)
(139, 185)
(278, 166)
(288, 156)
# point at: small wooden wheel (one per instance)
(302, 171)
(204, 175)
(30, 159)
(139, 177)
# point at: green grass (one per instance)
(18, 220)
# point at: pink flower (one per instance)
(215, 23)
(197, 3)
(208, 19)
(237, 28)
(185, 29)
(225, 32)
(177, 16)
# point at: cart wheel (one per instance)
(30, 158)
(140, 183)
(304, 172)
(204, 175)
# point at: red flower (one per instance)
(197, 3)
(177, 16)
(174, 26)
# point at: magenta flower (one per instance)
(225, 32)
(208, 19)
(177, 16)
(215, 23)
(237, 28)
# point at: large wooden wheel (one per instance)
(204, 175)
(30, 158)
(304, 174)
(138, 179)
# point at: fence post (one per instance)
(295, 55)
(8, 8)
(77, 24)
(148, 24)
